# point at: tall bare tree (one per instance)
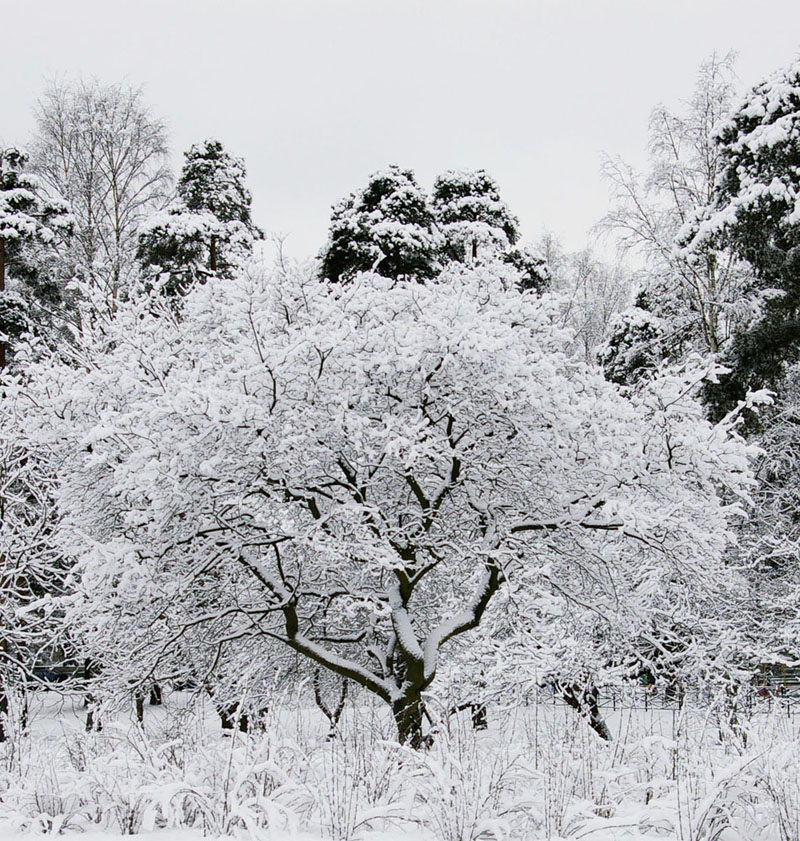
(701, 294)
(101, 149)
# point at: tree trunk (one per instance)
(333, 715)
(93, 721)
(480, 716)
(477, 711)
(3, 704)
(408, 713)
(139, 704)
(2, 289)
(156, 695)
(230, 716)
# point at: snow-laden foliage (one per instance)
(393, 228)
(701, 297)
(207, 229)
(758, 182)
(755, 212)
(472, 216)
(387, 227)
(26, 221)
(634, 349)
(356, 470)
(593, 290)
(477, 226)
(770, 541)
(32, 570)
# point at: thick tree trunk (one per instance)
(156, 695)
(408, 714)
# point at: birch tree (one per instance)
(700, 297)
(99, 148)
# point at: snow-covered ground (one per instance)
(537, 773)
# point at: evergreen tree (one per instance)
(756, 213)
(388, 227)
(208, 229)
(472, 217)
(477, 225)
(26, 220)
(533, 269)
(635, 347)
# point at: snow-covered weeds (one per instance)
(537, 773)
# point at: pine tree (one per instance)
(756, 213)
(388, 227)
(26, 220)
(635, 347)
(477, 225)
(208, 229)
(472, 217)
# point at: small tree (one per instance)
(208, 229)
(635, 347)
(388, 227)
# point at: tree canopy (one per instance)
(357, 470)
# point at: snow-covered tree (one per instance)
(26, 220)
(471, 216)
(357, 470)
(771, 541)
(208, 229)
(476, 226)
(697, 297)
(32, 570)
(635, 347)
(99, 148)
(388, 227)
(755, 211)
(594, 292)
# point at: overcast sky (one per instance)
(317, 95)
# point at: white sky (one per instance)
(317, 95)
